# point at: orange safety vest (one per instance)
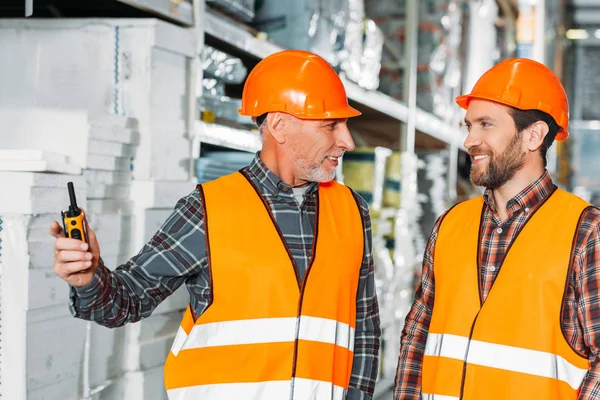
(512, 346)
(266, 334)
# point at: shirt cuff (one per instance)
(82, 297)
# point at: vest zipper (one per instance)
(464, 371)
(302, 287)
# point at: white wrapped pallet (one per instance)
(46, 344)
(119, 66)
(144, 385)
(163, 152)
(106, 356)
(34, 196)
(135, 68)
(155, 194)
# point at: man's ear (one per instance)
(536, 135)
(276, 123)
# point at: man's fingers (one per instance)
(66, 256)
(56, 230)
(70, 244)
(76, 267)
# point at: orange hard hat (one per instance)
(298, 83)
(525, 84)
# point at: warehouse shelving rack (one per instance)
(385, 120)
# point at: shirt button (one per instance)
(286, 189)
(527, 209)
(492, 268)
(499, 230)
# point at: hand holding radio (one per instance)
(76, 250)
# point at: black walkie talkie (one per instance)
(73, 218)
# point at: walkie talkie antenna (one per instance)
(73, 206)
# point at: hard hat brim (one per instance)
(347, 112)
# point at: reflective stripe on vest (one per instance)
(266, 335)
(505, 357)
(270, 330)
(511, 346)
(303, 389)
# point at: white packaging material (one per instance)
(370, 65)
(108, 163)
(107, 352)
(54, 343)
(114, 128)
(46, 289)
(25, 199)
(353, 40)
(156, 194)
(145, 385)
(108, 191)
(64, 136)
(110, 206)
(109, 227)
(313, 25)
(157, 329)
(37, 227)
(65, 389)
(163, 152)
(102, 65)
(52, 130)
(35, 160)
(114, 149)
(93, 177)
(41, 180)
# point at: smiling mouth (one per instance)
(333, 158)
(479, 157)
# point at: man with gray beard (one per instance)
(276, 258)
(507, 305)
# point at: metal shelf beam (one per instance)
(226, 30)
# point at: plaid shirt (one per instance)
(581, 312)
(177, 254)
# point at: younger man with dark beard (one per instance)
(515, 272)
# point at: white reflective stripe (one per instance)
(506, 357)
(428, 396)
(233, 391)
(450, 346)
(266, 330)
(304, 389)
(326, 330)
(179, 341)
(307, 389)
(526, 361)
(251, 331)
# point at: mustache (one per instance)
(479, 151)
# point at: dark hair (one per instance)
(525, 118)
(260, 119)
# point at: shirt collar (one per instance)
(270, 184)
(527, 199)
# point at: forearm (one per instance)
(132, 291)
(114, 298)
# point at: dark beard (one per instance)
(502, 168)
